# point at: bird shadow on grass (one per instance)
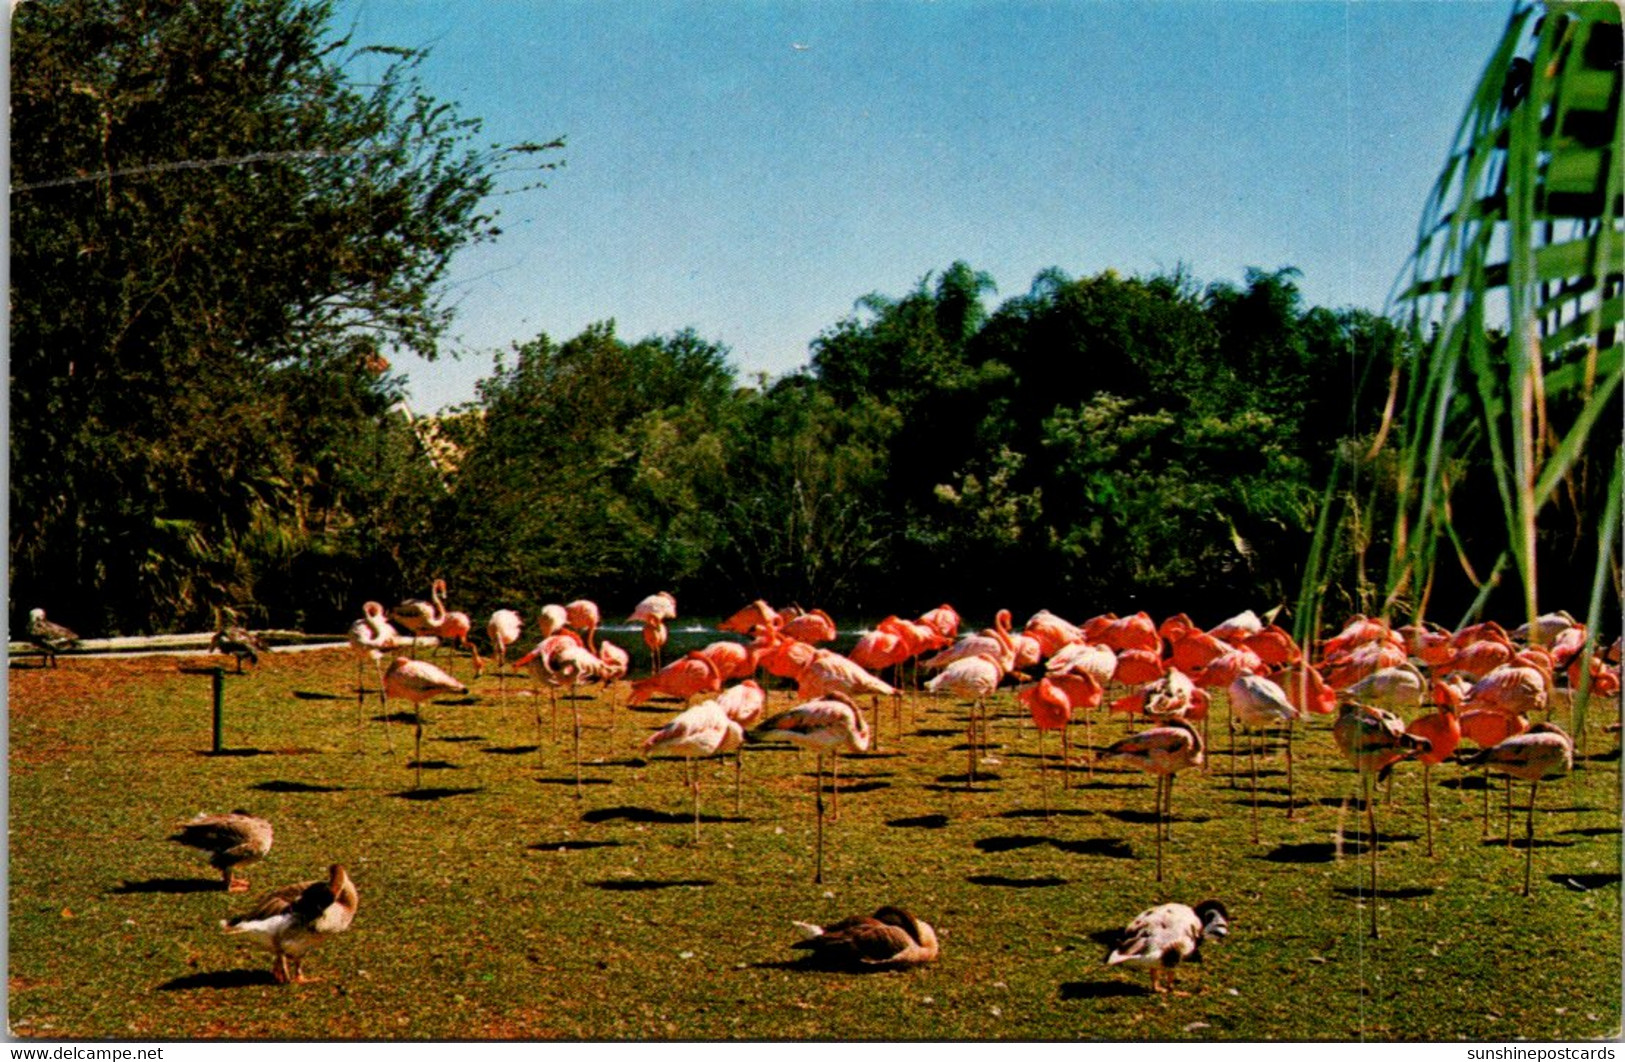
(1414, 892)
(219, 979)
(572, 846)
(277, 785)
(1040, 813)
(649, 884)
(235, 752)
(627, 813)
(861, 787)
(459, 739)
(1109, 785)
(920, 822)
(436, 794)
(1592, 831)
(1008, 844)
(1584, 882)
(824, 964)
(937, 732)
(1004, 881)
(432, 765)
(173, 886)
(1521, 843)
(404, 718)
(1101, 990)
(960, 779)
(571, 781)
(653, 709)
(510, 750)
(1110, 847)
(318, 695)
(1310, 852)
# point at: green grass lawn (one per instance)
(497, 902)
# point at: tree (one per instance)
(212, 219)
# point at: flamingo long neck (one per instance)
(437, 603)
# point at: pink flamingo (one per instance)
(975, 678)
(701, 731)
(1052, 631)
(684, 679)
(827, 725)
(1542, 753)
(1051, 709)
(421, 617)
(1162, 751)
(419, 681)
(1256, 703)
(503, 628)
(756, 614)
(811, 627)
(830, 672)
(583, 615)
(370, 637)
(744, 704)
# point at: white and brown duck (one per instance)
(291, 920)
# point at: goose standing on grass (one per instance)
(293, 919)
(51, 638)
(232, 841)
(889, 939)
(1163, 937)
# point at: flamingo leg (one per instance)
(1371, 824)
(818, 790)
(1529, 839)
(418, 747)
(1089, 737)
(1158, 827)
(739, 771)
(1066, 756)
(874, 708)
(834, 787)
(1252, 763)
(694, 790)
(575, 716)
(1427, 802)
(1043, 777)
(1509, 814)
(1232, 723)
(1290, 802)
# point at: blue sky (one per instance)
(750, 169)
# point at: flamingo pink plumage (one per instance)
(827, 725)
(701, 731)
(419, 681)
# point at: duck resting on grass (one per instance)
(1161, 938)
(291, 920)
(890, 938)
(232, 841)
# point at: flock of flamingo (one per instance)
(1414, 692)
(1481, 696)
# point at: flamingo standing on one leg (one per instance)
(370, 637)
(744, 704)
(975, 678)
(701, 731)
(1163, 751)
(419, 681)
(504, 628)
(827, 725)
(1542, 753)
(1051, 710)
(1442, 731)
(654, 612)
(1256, 703)
(1373, 741)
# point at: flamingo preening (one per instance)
(654, 612)
(827, 725)
(504, 628)
(1257, 703)
(1161, 938)
(1373, 740)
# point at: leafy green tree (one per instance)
(213, 219)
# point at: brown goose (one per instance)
(232, 841)
(291, 920)
(889, 938)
